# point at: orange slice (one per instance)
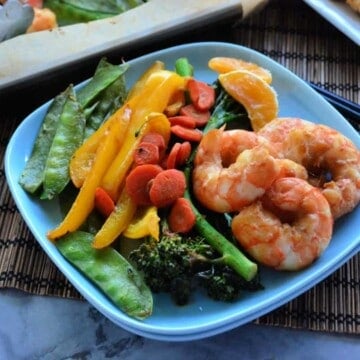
(256, 95)
(223, 65)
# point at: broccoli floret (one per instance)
(223, 284)
(170, 264)
(177, 265)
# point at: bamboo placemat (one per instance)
(298, 38)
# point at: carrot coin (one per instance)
(138, 183)
(181, 218)
(166, 187)
(201, 117)
(146, 153)
(173, 155)
(183, 154)
(201, 94)
(183, 120)
(186, 134)
(103, 202)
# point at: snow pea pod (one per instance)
(110, 271)
(109, 100)
(70, 12)
(33, 174)
(105, 6)
(68, 137)
(105, 74)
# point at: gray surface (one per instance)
(35, 327)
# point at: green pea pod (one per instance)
(33, 174)
(68, 137)
(109, 100)
(73, 11)
(67, 14)
(105, 74)
(110, 271)
(105, 6)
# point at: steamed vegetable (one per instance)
(110, 271)
(176, 263)
(32, 176)
(68, 137)
(75, 11)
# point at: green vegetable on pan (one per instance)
(110, 271)
(33, 175)
(74, 11)
(68, 137)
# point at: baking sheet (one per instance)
(27, 56)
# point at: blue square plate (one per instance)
(202, 317)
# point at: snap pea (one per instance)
(105, 74)
(68, 137)
(67, 14)
(33, 174)
(110, 271)
(105, 6)
(109, 100)
(73, 11)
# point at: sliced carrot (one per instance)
(146, 153)
(183, 153)
(182, 120)
(156, 139)
(186, 134)
(103, 202)
(138, 182)
(201, 94)
(172, 157)
(181, 218)
(201, 117)
(166, 187)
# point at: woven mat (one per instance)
(298, 38)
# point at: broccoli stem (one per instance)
(225, 111)
(230, 254)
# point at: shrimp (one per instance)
(331, 158)
(235, 167)
(287, 229)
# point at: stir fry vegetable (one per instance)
(131, 160)
(110, 271)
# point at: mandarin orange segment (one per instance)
(256, 95)
(223, 65)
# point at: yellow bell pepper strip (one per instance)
(117, 222)
(154, 98)
(81, 162)
(106, 152)
(146, 222)
(120, 218)
(140, 83)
